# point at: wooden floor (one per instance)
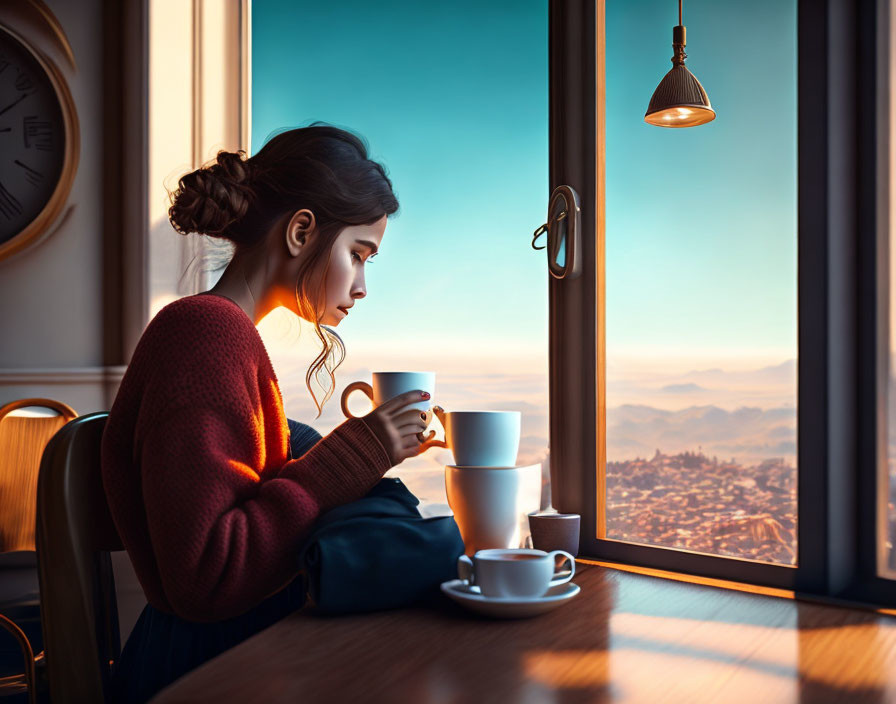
(625, 638)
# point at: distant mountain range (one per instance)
(746, 434)
(766, 387)
(711, 409)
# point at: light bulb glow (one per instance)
(680, 116)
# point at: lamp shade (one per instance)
(679, 101)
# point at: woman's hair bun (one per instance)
(213, 197)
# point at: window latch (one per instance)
(562, 229)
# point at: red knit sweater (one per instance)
(196, 470)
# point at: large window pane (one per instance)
(701, 284)
(452, 98)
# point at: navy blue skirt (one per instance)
(163, 647)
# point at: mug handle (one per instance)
(430, 440)
(465, 569)
(355, 385)
(572, 566)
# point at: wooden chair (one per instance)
(75, 535)
(23, 436)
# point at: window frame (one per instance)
(875, 145)
(839, 421)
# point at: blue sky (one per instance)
(453, 98)
(701, 222)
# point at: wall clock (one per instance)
(39, 143)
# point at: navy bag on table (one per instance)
(378, 553)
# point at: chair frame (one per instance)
(28, 677)
(75, 534)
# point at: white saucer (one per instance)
(470, 597)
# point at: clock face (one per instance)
(32, 137)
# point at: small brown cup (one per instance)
(555, 531)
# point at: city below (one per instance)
(694, 502)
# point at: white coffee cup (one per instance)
(480, 438)
(520, 574)
(388, 385)
(491, 504)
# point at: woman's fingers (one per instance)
(410, 446)
(404, 425)
(409, 441)
(410, 430)
(418, 446)
(412, 416)
(397, 404)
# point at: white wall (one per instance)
(50, 294)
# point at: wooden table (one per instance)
(625, 638)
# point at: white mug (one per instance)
(491, 504)
(480, 438)
(520, 574)
(388, 385)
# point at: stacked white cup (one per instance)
(490, 495)
(488, 492)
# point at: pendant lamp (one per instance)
(679, 100)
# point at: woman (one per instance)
(210, 497)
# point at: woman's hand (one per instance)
(399, 428)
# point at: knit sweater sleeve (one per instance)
(223, 539)
(225, 531)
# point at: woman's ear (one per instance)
(299, 231)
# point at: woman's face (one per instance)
(344, 282)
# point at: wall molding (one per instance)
(62, 375)
(85, 389)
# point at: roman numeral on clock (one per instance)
(9, 206)
(33, 176)
(37, 133)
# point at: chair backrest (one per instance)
(23, 437)
(75, 533)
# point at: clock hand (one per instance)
(5, 129)
(14, 103)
